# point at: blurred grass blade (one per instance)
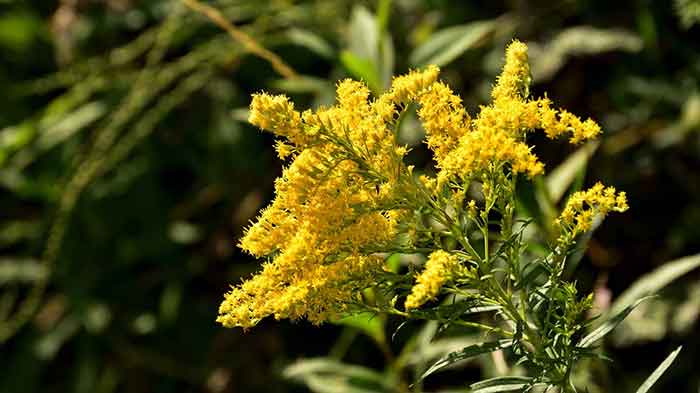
(363, 37)
(465, 353)
(448, 44)
(21, 270)
(368, 323)
(302, 84)
(651, 380)
(652, 282)
(361, 68)
(608, 325)
(561, 178)
(500, 384)
(311, 41)
(326, 375)
(547, 59)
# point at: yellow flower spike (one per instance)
(277, 115)
(443, 117)
(440, 268)
(352, 95)
(577, 216)
(406, 88)
(515, 79)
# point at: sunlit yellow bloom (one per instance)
(347, 196)
(407, 88)
(581, 208)
(514, 81)
(277, 115)
(440, 268)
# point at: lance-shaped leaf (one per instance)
(610, 324)
(448, 44)
(656, 280)
(465, 353)
(651, 380)
(501, 384)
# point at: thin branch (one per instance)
(244, 39)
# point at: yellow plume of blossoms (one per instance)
(440, 268)
(342, 201)
(581, 208)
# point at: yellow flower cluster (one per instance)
(347, 192)
(440, 268)
(497, 134)
(328, 217)
(581, 208)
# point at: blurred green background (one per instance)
(127, 173)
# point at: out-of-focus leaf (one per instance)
(688, 12)
(144, 324)
(96, 318)
(183, 232)
(311, 41)
(608, 325)
(386, 61)
(325, 375)
(651, 380)
(439, 348)
(652, 282)
(362, 69)
(547, 59)
(71, 123)
(48, 345)
(240, 114)
(500, 384)
(170, 301)
(302, 84)
(446, 45)
(363, 39)
(676, 132)
(466, 353)
(15, 231)
(687, 312)
(21, 270)
(19, 29)
(561, 178)
(369, 323)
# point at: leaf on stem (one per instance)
(651, 380)
(465, 353)
(609, 324)
(500, 384)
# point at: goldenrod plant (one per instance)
(347, 201)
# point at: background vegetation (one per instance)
(127, 173)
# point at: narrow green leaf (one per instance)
(546, 60)
(21, 270)
(363, 34)
(368, 323)
(302, 84)
(361, 68)
(311, 41)
(465, 353)
(608, 325)
(652, 282)
(500, 384)
(448, 44)
(651, 380)
(325, 366)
